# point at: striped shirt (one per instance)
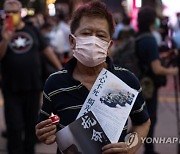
(65, 96)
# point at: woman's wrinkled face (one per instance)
(93, 26)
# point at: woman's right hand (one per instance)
(45, 131)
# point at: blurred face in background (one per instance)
(13, 9)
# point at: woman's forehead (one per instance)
(94, 23)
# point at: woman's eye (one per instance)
(86, 33)
(101, 36)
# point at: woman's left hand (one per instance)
(116, 148)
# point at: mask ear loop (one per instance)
(109, 46)
(73, 36)
(109, 43)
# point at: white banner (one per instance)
(111, 101)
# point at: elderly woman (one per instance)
(65, 91)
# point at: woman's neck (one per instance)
(89, 71)
(87, 75)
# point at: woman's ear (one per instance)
(110, 45)
(72, 42)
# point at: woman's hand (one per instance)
(118, 148)
(45, 131)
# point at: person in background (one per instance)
(124, 26)
(92, 27)
(45, 30)
(164, 28)
(176, 40)
(176, 27)
(47, 67)
(20, 54)
(176, 32)
(37, 19)
(166, 31)
(150, 65)
(64, 47)
(156, 33)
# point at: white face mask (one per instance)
(90, 51)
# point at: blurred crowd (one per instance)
(56, 30)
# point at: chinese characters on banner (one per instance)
(111, 101)
(101, 118)
(88, 122)
(84, 135)
(95, 92)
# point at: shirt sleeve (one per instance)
(139, 113)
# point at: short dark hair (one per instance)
(146, 17)
(18, 3)
(92, 9)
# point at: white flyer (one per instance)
(111, 101)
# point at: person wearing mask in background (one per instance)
(92, 27)
(20, 55)
(150, 65)
(156, 33)
(65, 47)
(47, 67)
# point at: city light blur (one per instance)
(170, 8)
